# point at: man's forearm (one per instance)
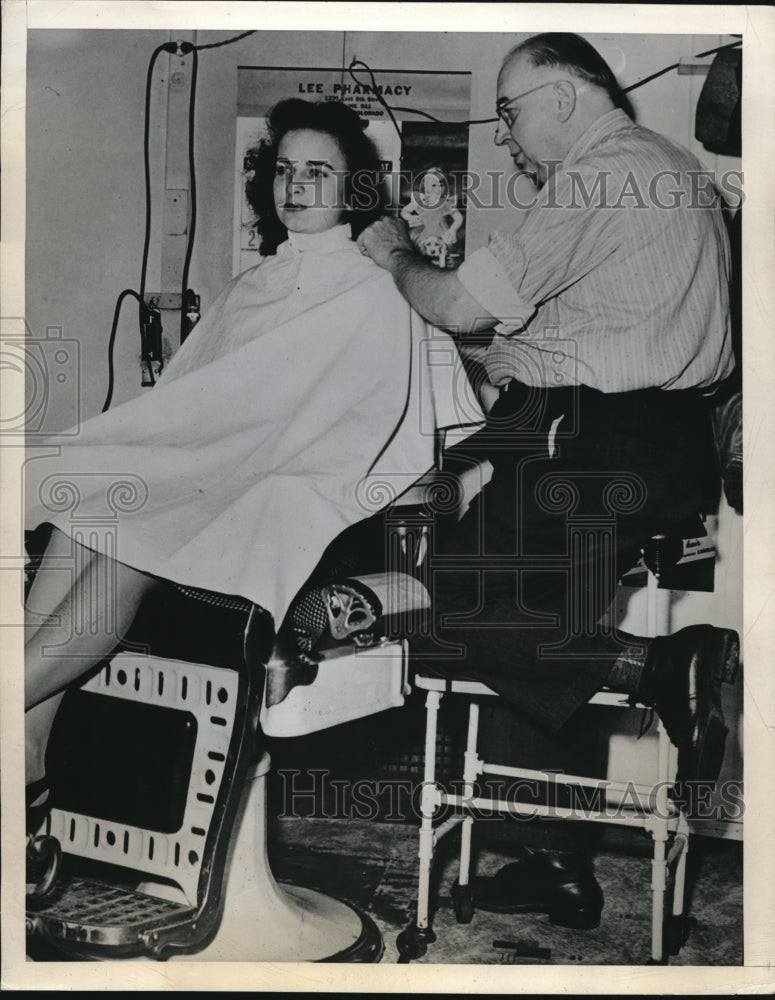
(438, 295)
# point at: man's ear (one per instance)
(565, 99)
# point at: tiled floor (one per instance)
(374, 865)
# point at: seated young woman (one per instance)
(305, 389)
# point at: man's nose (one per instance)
(501, 133)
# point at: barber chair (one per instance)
(158, 801)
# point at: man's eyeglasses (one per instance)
(504, 110)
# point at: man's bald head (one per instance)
(551, 88)
(573, 55)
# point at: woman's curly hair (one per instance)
(364, 188)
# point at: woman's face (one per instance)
(309, 181)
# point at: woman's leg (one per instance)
(62, 562)
(80, 605)
(38, 721)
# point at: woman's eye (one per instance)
(279, 170)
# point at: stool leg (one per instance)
(658, 612)
(428, 809)
(470, 771)
(658, 882)
(680, 876)
(678, 930)
(414, 940)
(659, 834)
(462, 898)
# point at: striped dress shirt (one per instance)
(617, 276)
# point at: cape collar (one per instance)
(325, 242)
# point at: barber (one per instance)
(605, 314)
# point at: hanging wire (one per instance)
(182, 48)
(192, 186)
(661, 72)
(142, 310)
(111, 342)
(226, 41)
(360, 64)
(147, 170)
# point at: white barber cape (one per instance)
(304, 400)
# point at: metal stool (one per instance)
(660, 815)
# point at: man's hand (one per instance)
(383, 238)
(437, 294)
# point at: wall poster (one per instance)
(422, 165)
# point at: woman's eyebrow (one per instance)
(309, 163)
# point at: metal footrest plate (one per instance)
(96, 913)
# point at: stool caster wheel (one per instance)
(678, 928)
(413, 943)
(463, 903)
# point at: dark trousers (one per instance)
(519, 585)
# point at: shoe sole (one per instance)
(730, 656)
(577, 919)
(580, 917)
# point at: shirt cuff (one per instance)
(484, 277)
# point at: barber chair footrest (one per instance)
(96, 914)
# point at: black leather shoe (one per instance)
(560, 885)
(683, 678)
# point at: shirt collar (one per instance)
(325, 242)
(600, 129)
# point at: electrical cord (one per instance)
(661, 72)
(226, 41)
(360, 64)
(111, 342)
(184, 326)
(166, 47)
(142, 311)
(173, 48)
